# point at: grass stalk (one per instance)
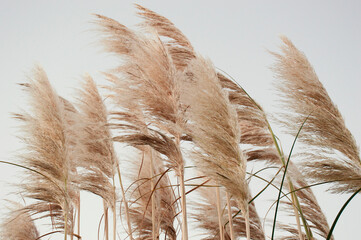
(230, 218)
(219, 211)
(127, 217)
(329, 236)
(66, 225)
(300, 234)
(114, 214)
(280, 153)
(295, 201)
(78, 217)
(248, 228)
(106, 219)
(154, 227)
(183, 206)
(66, 209)
(115, 222)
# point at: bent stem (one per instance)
(339, 214)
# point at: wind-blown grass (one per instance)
(194, 134)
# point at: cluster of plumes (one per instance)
(152, 88)
(66, 151)
(256, 135)
(148, 181)
(206, 217)
(332, 153)
(164, 93)
(145, 88)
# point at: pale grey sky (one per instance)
(235, 35)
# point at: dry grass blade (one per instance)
(18, 225)
(48, 151)
(334, 154)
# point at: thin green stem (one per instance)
(294, 196)
(339, 214)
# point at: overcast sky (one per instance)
(235, 35)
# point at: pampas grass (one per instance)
(49, 152)
(335, 155)
(19, 225)
(180, 136)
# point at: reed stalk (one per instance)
(183, 205)
(230, 217)
(127, 217)
(151, 174)
(106, 221)
(220, 214)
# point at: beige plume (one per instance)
(178, 46)
(332, 153)
(215, 131)
(18, 225)
(48, 152)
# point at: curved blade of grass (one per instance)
(261, 170)
(339, 214)
(268, 184)
(308, 232)
(263, 189)
(33, 170)
(305, 187)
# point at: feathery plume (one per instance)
(215, 131)
(49, 153)
(18, 226)
(150, 81)
(332, 153)
(178, 46)
(97, 160)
